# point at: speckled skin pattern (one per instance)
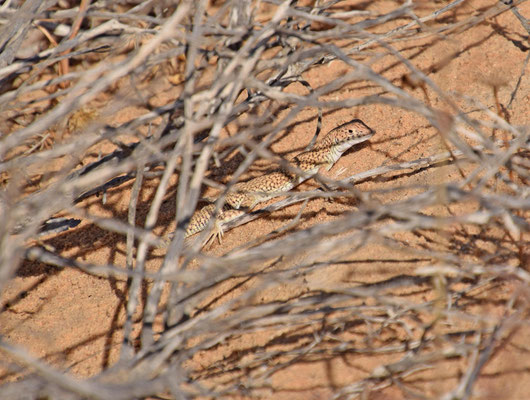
(325, 153)
(201, 217)
(246, 195)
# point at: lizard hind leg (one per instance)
(217, 232)
(224, 217)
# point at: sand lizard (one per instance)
(246, 195)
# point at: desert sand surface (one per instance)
(410, 283)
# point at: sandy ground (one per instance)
(74, 320)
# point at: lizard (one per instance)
(246, 195)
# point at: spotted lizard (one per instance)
(246, 195)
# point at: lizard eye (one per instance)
(350, 131)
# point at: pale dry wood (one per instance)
(267, 56)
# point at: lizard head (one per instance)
(333, 145)
(346, 135)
